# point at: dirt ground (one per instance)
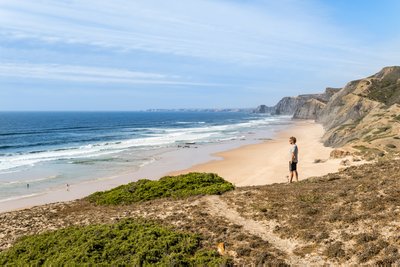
(350, 217)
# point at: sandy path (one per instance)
(218, 207)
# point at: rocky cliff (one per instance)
(286, 106)
(289, 105)
(303, 106)
(264, 109)
(362, 118)
(365, 114)
(312, 108)
(324, 97)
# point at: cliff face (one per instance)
(360, 97)
(313, 107)
(285, 106)
(264, 109)
(347, 106)
(310, 110)
(364, 115)
(290, 105)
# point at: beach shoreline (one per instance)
(244, 163)
(267, 163)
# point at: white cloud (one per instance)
(91, 74)
(283, 47)
(215, 30)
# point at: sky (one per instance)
(122, 55)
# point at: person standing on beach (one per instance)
(293, 159)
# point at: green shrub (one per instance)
(167, 187)
(129, 242)
(386, 91)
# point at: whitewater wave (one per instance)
(155, 137)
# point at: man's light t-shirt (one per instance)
(294, 150)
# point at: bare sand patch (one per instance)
(267, 163)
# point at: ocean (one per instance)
(41, 151)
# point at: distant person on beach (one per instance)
(293, 159)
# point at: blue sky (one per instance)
(134, 55)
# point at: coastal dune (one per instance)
(267, 162)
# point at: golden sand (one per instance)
(267, 163)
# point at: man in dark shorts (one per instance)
(293, 159)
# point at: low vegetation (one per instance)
(351, 216)
(346, 218)
(128, 242)
(369, 153)
(167, 187)
(397, 118)
(385, 91)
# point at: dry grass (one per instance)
(350, 217)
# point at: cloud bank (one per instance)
(285, 47)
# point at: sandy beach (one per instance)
(254, 164)
(267, 163)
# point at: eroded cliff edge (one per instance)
(363, 118)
